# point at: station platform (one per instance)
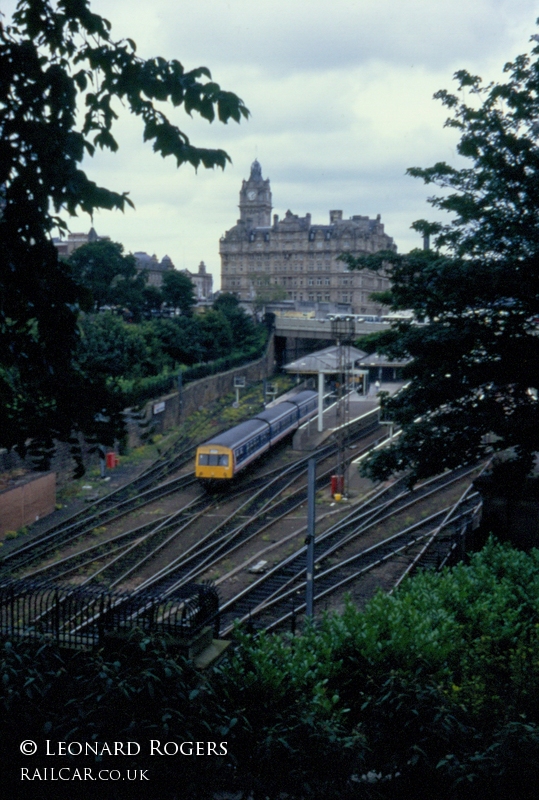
(308, 437)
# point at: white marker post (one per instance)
(320, 402)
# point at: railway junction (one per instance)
(161, 533)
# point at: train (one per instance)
(223, 457)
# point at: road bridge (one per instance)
(297, 336)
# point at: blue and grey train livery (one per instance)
(222, 457)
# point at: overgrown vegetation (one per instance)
(430, 693)
(141, 361)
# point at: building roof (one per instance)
(327, 361)
(146, 261)
(379, 360)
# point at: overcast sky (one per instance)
(340, 95)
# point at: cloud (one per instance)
(341, 102)
(281, 37)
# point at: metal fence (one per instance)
(82, 617)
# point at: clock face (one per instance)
(251, 195)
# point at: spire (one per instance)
(256, 171)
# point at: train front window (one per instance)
(213, 460)
(216, 460)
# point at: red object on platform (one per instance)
(110, 459)
(337, 484)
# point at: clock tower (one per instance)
(255, 199)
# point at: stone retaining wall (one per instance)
(165, 412)
(157, 416)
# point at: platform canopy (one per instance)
(329, 361)
(378, 360)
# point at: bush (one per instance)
(429, 693)
(143, 389)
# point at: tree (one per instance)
(243, 328)
(215, 334)
(62, 77)
(178, 291)
(180, 339)
(112, 349)
(152, 299)
(110, 277)
(474, 370)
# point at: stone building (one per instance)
(202, 280)
(155, 269)
(75, 240)
(298, 255)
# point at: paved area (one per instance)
(309, 437)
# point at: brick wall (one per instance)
(27, 502)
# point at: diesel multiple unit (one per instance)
(224, 456)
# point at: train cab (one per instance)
(214, 461)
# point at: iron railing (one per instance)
(82, 616)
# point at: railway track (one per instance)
(223, 538)
(282, 583)
(340, 576)
(275, 598)
(115, 559)
(148, 486)
(264, 508)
